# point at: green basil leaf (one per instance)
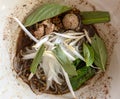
(37, 59)
(92, 17)
(84, 74)
(88, 54)
(44, 12)
(99, 51)
(64, 61)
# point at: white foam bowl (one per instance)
(104, 87)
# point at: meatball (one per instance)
(70, 21)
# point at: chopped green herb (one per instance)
(84, 74)
(88, 54)
(100, 52)
(37, 59)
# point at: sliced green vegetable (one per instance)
(37, 59)
(99, 52)
(84, 74)
(88, 54)
(64, 61)
(44, 12)
(92, 17)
